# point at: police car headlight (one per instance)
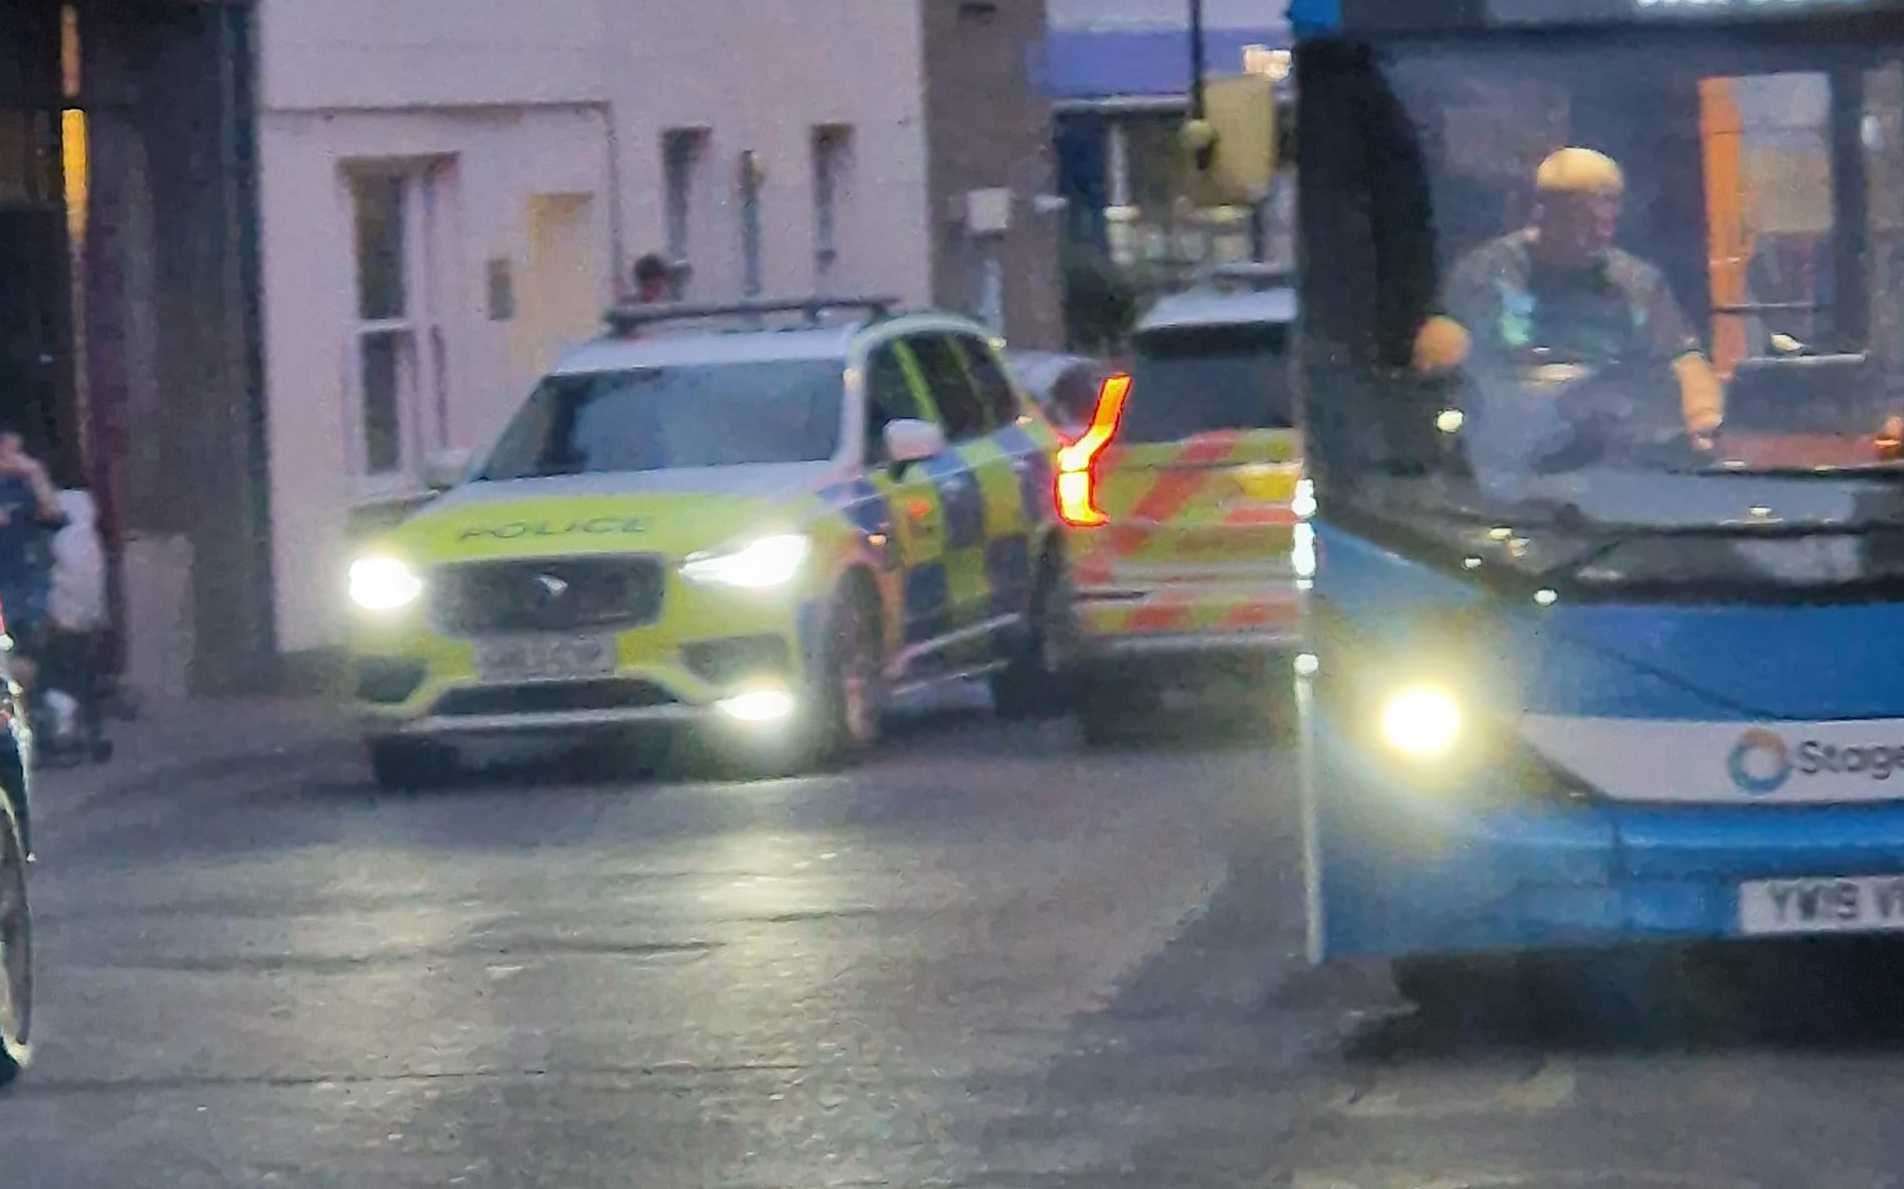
(383, 584)
(761, 564)
(1422, 722)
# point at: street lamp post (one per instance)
(1196, 59)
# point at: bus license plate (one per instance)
(545, 658)
(1855, 905)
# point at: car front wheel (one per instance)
(1035, 682)
(845, 707)
(853, 700)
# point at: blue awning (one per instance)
(1103, 64)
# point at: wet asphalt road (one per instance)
(987, 956)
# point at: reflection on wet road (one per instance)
(989, 956)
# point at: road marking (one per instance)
(1392, 1178)
(1431, 1097)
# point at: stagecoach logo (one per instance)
(1760, 763)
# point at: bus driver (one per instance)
(1562, 284)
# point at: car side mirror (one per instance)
(445, 469)
(909, 440)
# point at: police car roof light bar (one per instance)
(624, 318)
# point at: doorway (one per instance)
(564, 289)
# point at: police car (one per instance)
(1186, 504)
(756, 522)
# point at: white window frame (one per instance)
(421, 395)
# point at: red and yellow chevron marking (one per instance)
(1241, 477)
(1188, 523)
(1190, 611)
(1261, 516)
(1178, 552)
(1197, 467)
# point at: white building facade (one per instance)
(452, 190)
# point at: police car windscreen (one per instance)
(1191, 380)
(658, 418)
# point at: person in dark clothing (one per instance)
(654, 280)
(29, 514)
(1562, 285)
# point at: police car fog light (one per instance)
(383, 584)
(758, 706)
(1422, 722)
(760, 564)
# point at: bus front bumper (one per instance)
(1396, 870)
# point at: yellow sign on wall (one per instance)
(1241, 114)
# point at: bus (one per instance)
(1602, 376)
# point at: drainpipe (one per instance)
(237, 152)
(1197, 64)
(617, 245)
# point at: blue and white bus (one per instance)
(1603, 362)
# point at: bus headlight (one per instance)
(1423, 722)
(761, 564)
(383, 584)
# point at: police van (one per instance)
(754, 522)
(1185, 502)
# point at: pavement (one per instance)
(988, 956)
(185, 740)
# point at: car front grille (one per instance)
(553, 698)
(551, 594)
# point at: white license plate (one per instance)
(1863, 904)
(545, 658)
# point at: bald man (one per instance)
(1562, 285)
